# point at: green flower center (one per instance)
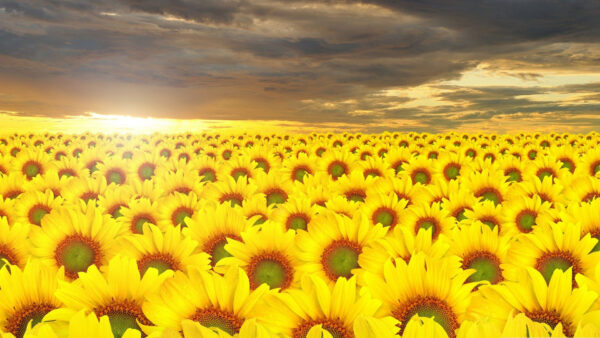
(262, 164)
(597, 246)
(121, 322)
(567, 164)
(146, 171)
(452, 172)
(165, 153)
(240, 172)
(115, 177)
(471, 153)
(340, 258)
(31, 169)
(421, 177)
(270, 270)
(398, 168)
(275, 197)
(37, 213)
(180, 216)
(227, 154)
(337, 170)
(428, 307)
(77, 256)
(355, 196)
(460, 215)
(526, 220)
(545, 173)
(208, 176)
(213, 318)
(384, 217)
(139, 224)
(532, 155)
(513, 176)
(490, 195)
(597, 168)
(299, 174)
(297, 223)
(219, 252)
(486, 265)
(489, 223)
(117, 212)
(550, 262)
(158, 264)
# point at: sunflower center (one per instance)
(459, 214)
(76, 253)
(208, 175)
(428, 223)
(490, 194)
(547, 263)
(115, 176)
(514, 175)
(337, 169)
(66, 173)
(297, 222)
(123, 316)
(214, 318)
(180, 214)
(146, 171)
(421, 176)
(34, 313)
(471, 153)
(271, 268)
(398, 167)
(335, 328)
(596, 234)
(551, 318)
(452, 171)
(430, 307)
(356, 195)
(340, 258)
(31, 169)
(486, 264)
(384, 216)
(139, 221)
(116, 211)
(526, 220)
(6, 253)
(299, 173)
(262, 164)
(37, 213)
(567, 163)
(160, 261)
(543, 173)
(595, 167)
(276, 196)
(239, 172)
(216, 247)
(233, 198)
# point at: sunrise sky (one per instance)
(371, 66)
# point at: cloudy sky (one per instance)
(372, 65)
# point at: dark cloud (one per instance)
(309, 61)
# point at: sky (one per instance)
(353, 65)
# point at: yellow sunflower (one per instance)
(174, 209)
(75, 239)
(332, 245)
(267, 254)
(118, 293)
(385, 209)
(354, 186)
(230, 191)
(296, 214)
(32, 206)
(525, 214)
(337, 163)
(27, 295)
(213, 301)
(168, 250)
(403, 188)
(14, 244)
(139, 212)
(428, 216)
(32, 163)
(319, 309)
(488, 185)
(414, 288)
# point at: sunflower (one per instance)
(14, 245)
(420, 170)
(27, 295)
(232, 192)
(174, 209)
(449, 166)
(6, 164)
(298, 168)
(50, 181)
(79, 325)
(216, 302)
(399, 243)
(428, 216)
(375, 167)
(75, 239)
(555, 304)
(267, 254)
(459, 202)
(139, 212)
(182, 181)
(590, 164)
(316, 189)
(32, 206)
(525, 213)
(86, 189)
(568, 157)
(190, 328)
(239, 167)
(518, 325)
(7, 210)
(587, 216)
(11, 185)
(403, 188)
(117, 293)
(32, 163)
(206, 167)
(92, 158)
(512, 167)
(488, 185)
(547, 190)
(70, 167)
(398, 158)
(584, 189)
(385, 209)
(114, 198)
(354, 186)
(275, 186)
(296, 214)
(480, 248)
(555, 247)
(337, 163)
(150, 189)
(145, 166)
(212, 226)
(318, 309)
(168, 250)
(548, 167)
(115, 169)
(333, 244)
(414, 288)
(264, 157)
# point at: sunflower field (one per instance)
(300, 235)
